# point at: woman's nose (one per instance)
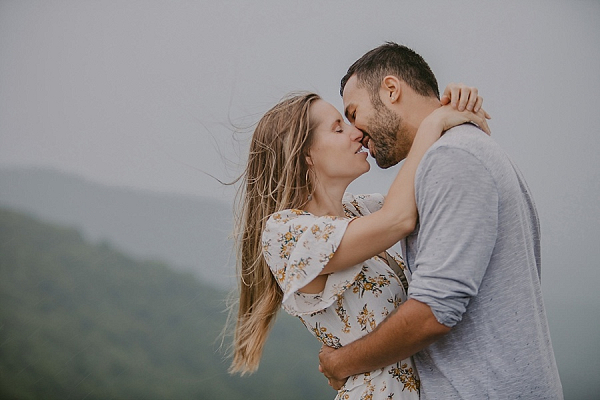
(355, 133)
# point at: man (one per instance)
(475, 320)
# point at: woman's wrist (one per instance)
(429, 131)
(433, 125)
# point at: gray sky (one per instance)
(143, 93)
(148, 93)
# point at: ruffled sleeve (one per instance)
(297, 246)
(362, 204)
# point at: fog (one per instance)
(160, 95)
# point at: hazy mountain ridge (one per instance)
(194, 233)
(87, 321)
(186, 232)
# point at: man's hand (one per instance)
(326, 367)
(413, 321)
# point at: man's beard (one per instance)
(391, 144)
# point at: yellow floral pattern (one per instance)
(405, 374)
(297, 245)
(342, 314)
(326, 337)
(370, 283)
(366, 319)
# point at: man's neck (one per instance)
(417, 109)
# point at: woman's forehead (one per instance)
(322, 111)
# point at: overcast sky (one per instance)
(148, 94)
(145, 94)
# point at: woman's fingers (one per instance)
(473, 96)
(445, 99)
(478, 104)
(462, 97)
(455, 93)
(480, 119)
(484, 127)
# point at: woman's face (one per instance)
(336, 155)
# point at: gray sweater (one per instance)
(475, 260)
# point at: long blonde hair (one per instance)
(276, 178)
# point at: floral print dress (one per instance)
(297, 245)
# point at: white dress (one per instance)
(297, 245)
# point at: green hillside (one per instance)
(188, 233)
(81, 320)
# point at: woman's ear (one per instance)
(309, 161)
(390, 89)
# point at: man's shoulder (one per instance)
(471, 140)
(464, 136)
(464, 149)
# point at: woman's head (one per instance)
(300, 145)
(335, 155)
(276, 178)
(277, 170)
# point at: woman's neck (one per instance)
(327, 201)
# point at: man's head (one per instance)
(381, 91)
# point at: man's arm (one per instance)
(413, 321)
(458, 207)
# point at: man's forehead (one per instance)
(350, 87)
(349, 94)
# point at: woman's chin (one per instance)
(366, 169)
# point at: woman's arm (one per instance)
(370, 235)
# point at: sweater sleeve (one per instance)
(457, 201)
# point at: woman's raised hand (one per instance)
(447, 117)
(463, 97)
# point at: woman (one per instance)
(320, 253)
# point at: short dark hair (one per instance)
(392, 59)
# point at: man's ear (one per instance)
(390, 89)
